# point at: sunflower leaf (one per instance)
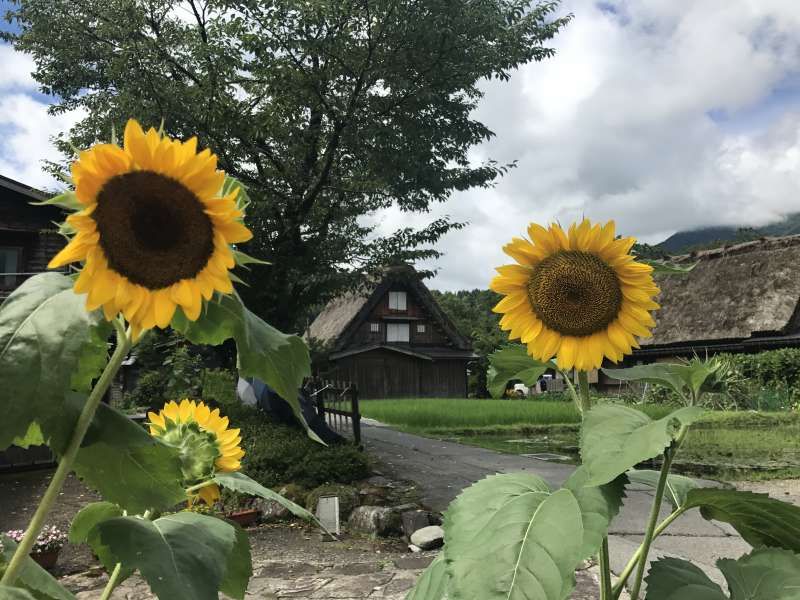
(599, 505)
(759, 519)
(67, 200)
(513, 362)
(677, 488)
(183, 556)
(507, 535)
(83, 530)
(14, 593)
(45, 333)
(616, 438)
(432, 584)
(119, 459)
(279, 360)
(33, 578)
(685, 379)
(677, 579)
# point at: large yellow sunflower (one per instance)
(206, 444)
(579, 296)
(154, 232)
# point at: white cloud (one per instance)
(26, 128)
(618, 125)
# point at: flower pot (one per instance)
(47, 560)
(245, 517)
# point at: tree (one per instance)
(328, 110)
(471, 312)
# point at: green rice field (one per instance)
(726, 445)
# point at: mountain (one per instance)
(716, 236)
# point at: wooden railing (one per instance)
(337, 404)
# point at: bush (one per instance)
(278, 454)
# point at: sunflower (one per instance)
(579, 296)
(154, 230)
(205, 443)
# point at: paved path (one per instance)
(443, 469)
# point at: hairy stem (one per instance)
(112, 582)
(606, 591)
(669, 455)
(68, 459)
(626, 572)
(586, 398)
(573, 393)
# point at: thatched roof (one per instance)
(339, 320)
(336, 316)
(742, 291)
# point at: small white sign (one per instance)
(328, 513)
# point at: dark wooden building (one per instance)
(392, 340)
(28, 234)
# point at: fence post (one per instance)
(356, 414)
(318, 385)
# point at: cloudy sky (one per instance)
(662, 115)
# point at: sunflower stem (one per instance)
(586, 398)
(112, 582)
(572, 393)
(68, 459)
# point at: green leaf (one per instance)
(93, 357)
(759, 519)
(32, 437)
(686, 379)
(765, 574)
(184, 556)
(84, 531)
(508, 537)
(676, 579)
(67, 200)
(230, 184)
(664, 268)
(239, 482)
(119, 459)
(513, 362)
(239, 567)
(31, 576)
(615, 438)
(279, 360)
(243, 259)
(677, 488)
(14, 593)
(44, 329)
(432, 584)
(599, 505)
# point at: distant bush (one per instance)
(276, 454)
(767, 380)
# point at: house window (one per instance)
(421, 328)
(397, 332)
(374, 327)
(9, 264)
(397, 301)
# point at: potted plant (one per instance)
(47, 546)
(239, 508)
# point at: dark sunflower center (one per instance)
(153, 229)
(575, 293)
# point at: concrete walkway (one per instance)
(443, 469)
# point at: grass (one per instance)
(726, 445)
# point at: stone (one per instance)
(414, 520)
(347, 494)
(378, 521)
(428, 538)
(270, 510)
(414, 549)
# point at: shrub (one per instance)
(278, 454)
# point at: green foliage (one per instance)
(14, 593)
(241, 483)
(33, 578)
(278, 359)
(45, 334)
(766, 574)
(433, 583)
(83, 530)
(370, 106)
(759, 519)
(119, 458)
(537, 551)
(615, 438)
(514, 362)
(677, 486)
(688, 379)
(599, 505)
(183, 556)
(275, 454)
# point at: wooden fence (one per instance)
(337, 405)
